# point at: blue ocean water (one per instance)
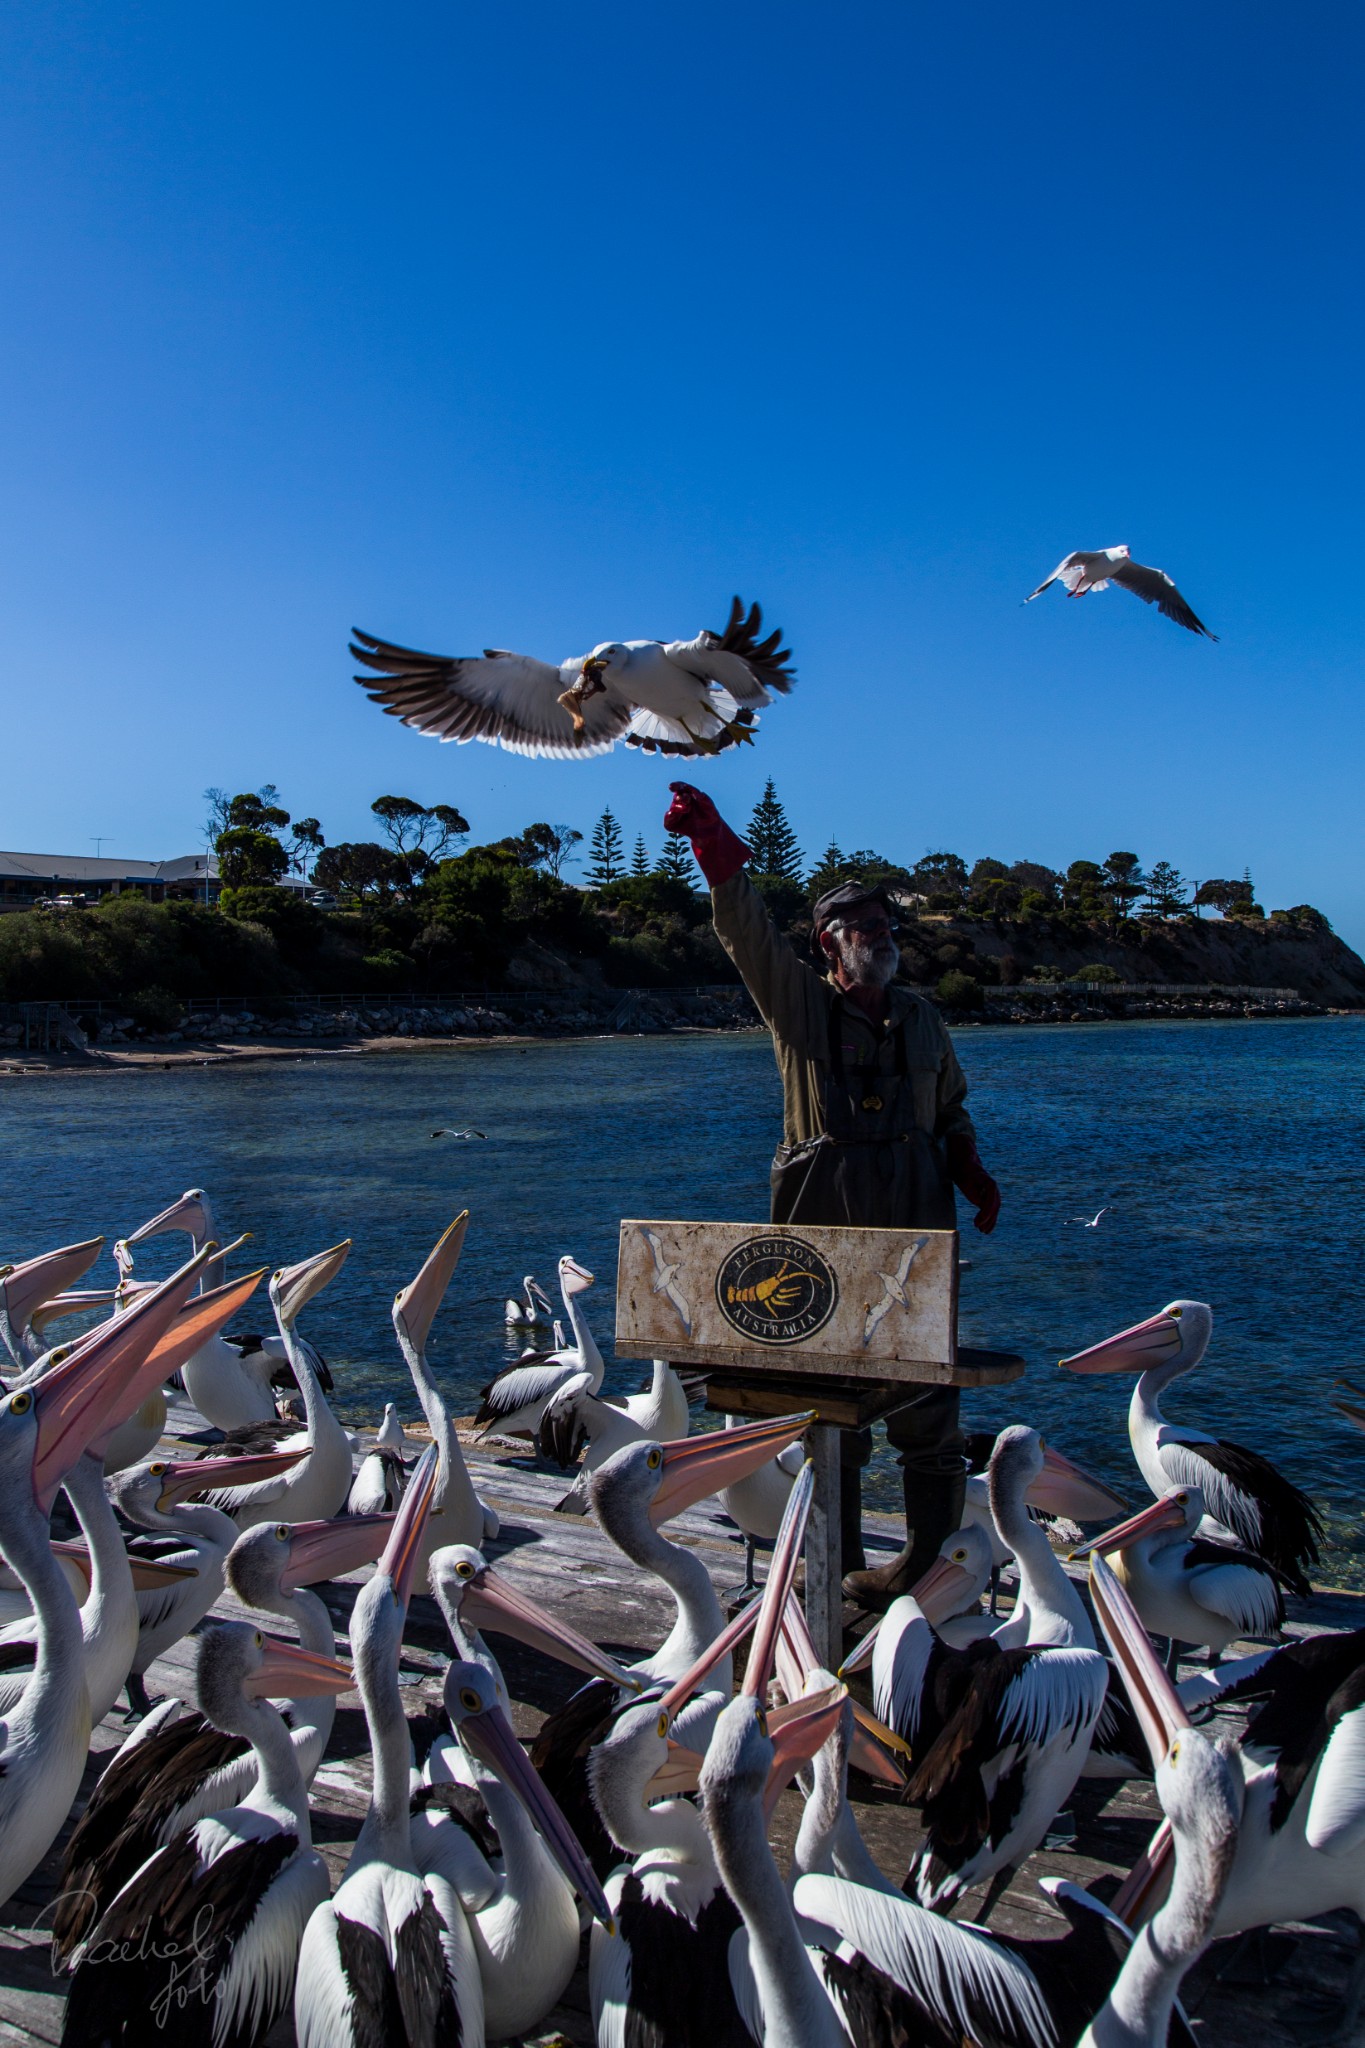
(1232, 1157)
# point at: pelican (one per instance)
(25, 1288)
(463, 1517)
(515, 1398)
(1198, 1789)
(44, 1429)
(1185, 1587)
(917, 1677)
(182, 1765)
(215, 1917)
(576, 1417)
(533, 1311)
(1011, 1751)
(1246, 1500)
(378, 1484)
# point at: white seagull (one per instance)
(893, 1291)
(684, 697)
(1091, 1222)
(1096, 569)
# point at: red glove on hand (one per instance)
(718, 851)
(964, 1165)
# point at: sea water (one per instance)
(1230, 1158)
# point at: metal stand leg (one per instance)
(824, 1560)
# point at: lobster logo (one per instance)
(776, 1290)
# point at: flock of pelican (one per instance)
(192, 1905)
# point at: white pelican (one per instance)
(685, 697)
(212, 1922)
(515, 1398)
(1011, 1751)
(917, 1677)
(1183, 1586)
(1062, 1490)
(462, 1516)
(533, 1311)
(1246, 1500)
(576, 1417)
(1096, 569)
(180, 1765)
(228, 1388)
(44, 1429)
(378, 1484)
(1199, 1792)
(26, 1287)
(757, 1503)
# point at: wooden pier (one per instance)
(1255, 1991)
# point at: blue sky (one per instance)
(537, 326)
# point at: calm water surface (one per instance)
(1233, 1156)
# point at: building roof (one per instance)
(79, 867)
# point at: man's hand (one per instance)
(968, 1174)
(718, 852)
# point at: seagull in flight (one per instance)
(665, 1279)
(459, 1134)
(1096, 570)
(894, 1293)
(1091, 1222)
(683, 697)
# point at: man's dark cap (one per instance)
(835, 904)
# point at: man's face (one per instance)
(864, 948)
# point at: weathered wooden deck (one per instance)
(565, 1562)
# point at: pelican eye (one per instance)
(20, 1403)
(661, 1726)
(470, 1700)
(283, 1531)
(654, 1459)
(260, 1640)
(1175, 1314)
(1174, 1755)
(59, 1356)
(464, 1569)
(1182, 1500)
(158, 1468)
(959, 1557)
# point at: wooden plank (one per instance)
(872, 1304)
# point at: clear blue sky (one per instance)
(536, 325)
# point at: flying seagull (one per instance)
(459, 1134)
(1091, 1222)
(1085, 571)
(684, 697)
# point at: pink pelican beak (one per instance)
(795, 1667)
(415, 1305)
(938, 1595)
(781, 1578)
(286, 1672)
(1136, 1350)
(1062, 1488)
(25, 1287)
(398, 1563)
(1155, 1700)
(491, 1737)
(573, 1278)
(293, 1287)
(185, 1214)
(493, 1602)
(325, 1550)
(694, 1467)
(691, 1681)
(199, 1319)
(1149, 1880)
(184, 1478)
(72, 1303)
(1166, 1513)
(796, 1732)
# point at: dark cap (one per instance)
(835, 904)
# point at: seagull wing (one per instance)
(737, 659)
(510, 700)
(1072, 561)
(1154, 586)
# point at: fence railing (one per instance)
(1235, 990)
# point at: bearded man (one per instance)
(875, 1133)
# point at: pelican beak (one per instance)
(99, 1383)
(199, 1320)
(1062, 1488)
(184, 1479)
(72, 1303)
(149, 1573)
(734, 1632)
(416, 1304)
(942, 1590)
(541, 1296)
(399, 1561)
(796, 1733)
(1149, 1880)
(862, 1653)
(286, 1672)
(1351, 1412)
(679, 1774)
(186, 1214)
(493, 1602)
(1166, 1513)
(1136, 1350)
(781, 1577)
(324, 1550)
(293, 1287)
(573, 1278)
(491, 1738)
(870, 1741)
(695, 1466)
(1155, 1700)
(27, 1286)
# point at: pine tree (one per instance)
(829, 870)
(772, 842)
(676, 861)
(639, 860)
(606, 864)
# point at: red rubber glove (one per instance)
(718, 851)
(968, 1174)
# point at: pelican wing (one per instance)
(1154, 586)
(508, 699)
(1242, 1490)
(530, 1380)
(1336, 1812)
(737, 659)
(1237, 1585)
(900, 1662)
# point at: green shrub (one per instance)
(1244, 908)
(1099, 970)
(156, 1009)
(960, 991)
(387, 970)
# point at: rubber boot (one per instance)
(933, 1509)
(851, 1517)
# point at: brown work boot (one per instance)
(935, 1503)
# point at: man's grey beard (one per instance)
(872, 962)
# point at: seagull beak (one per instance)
(286, 1672)
(492, 1602)
(1155, 1700)
(293, 1287)
(325, 1550)
(399, 1561)
(26, 1287)
(416, 1304)
(186, 1214)
(492, 1739)
(1135, 1350)
(1165, 1513)
(1062, 1488)
(182, 1480)
(694, 1467)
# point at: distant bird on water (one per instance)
(1085, 571)
(459, 1134)
(684, 697)
(1091, 1222)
